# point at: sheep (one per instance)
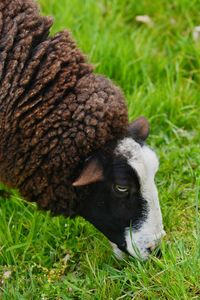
(65, 139)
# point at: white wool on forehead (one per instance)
(141, 158)
(145, 162)
(128, 148)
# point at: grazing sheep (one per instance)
(65, 139)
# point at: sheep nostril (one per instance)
(149, 250)
(156, 251)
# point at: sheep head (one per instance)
(123, 200)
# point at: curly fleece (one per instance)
(54, 112)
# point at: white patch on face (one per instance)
(140, 242)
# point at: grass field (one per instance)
(158, 68)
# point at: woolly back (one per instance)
(54, 111)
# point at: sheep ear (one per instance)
(92, 172)
(139, 129)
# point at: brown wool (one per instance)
(54, 111)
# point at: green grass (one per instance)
(158, 69)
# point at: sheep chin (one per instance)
(119, 254)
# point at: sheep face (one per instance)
(145, 232)
(123, 200)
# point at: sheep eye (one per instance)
(120, 188)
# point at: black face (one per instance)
(115, 202)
